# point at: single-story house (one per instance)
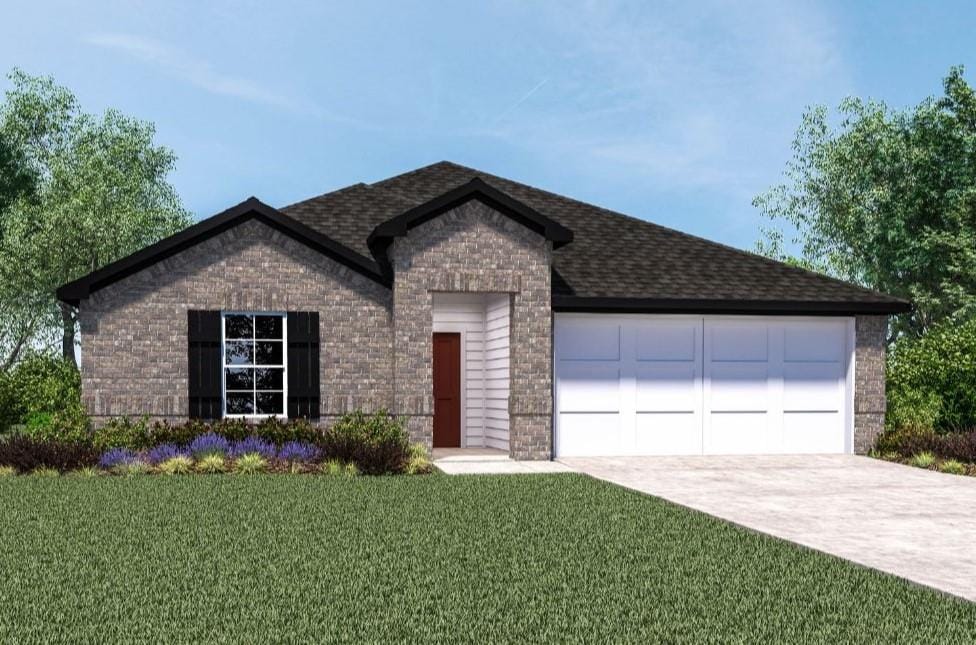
(489, 314)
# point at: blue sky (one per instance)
(674, 113)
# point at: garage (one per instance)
(636, 384)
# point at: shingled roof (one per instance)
(615, 262)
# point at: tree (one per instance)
(101, 193)
(887, 199)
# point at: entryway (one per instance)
(470, 348)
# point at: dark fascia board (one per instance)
(382, 236)
(579, 304)
(74, 292)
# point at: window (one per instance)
(254, 364)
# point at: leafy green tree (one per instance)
(887, 199)
(101, 192)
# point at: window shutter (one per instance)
(203, 340)
(303, 364)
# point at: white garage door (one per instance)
(658, 385)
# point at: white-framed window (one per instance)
(253, 350)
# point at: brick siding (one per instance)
(134, 332)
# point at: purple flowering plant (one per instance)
(253, 444)
(298, 451)
(163, 452)
(116, 457)
(209, 443)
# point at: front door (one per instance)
(447, 390)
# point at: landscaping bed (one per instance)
(953, 453)
(357, 443)
(470, 559)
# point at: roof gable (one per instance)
(252, 208)
(476, 189)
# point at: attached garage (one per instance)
(635, 384)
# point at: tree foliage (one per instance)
(887, 199)
(100, 192)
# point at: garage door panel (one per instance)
(738, 387)
(667, 433)
(595, 342)
(672, 341)
(737, 433)
(813, 387)
(813, 432)
(738, 342)
(815, 342)
(668, 387)
(589, 387)
(589, 434)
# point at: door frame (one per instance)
(455, 328)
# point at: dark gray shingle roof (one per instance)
(612, 256)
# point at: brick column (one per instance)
(869, 380)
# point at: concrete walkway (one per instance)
(913, 523)
(486, 461)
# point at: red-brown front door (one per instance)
(447, 390)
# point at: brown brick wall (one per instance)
(475, 249)
(869, 380)
(134, 345)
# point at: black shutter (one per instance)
(303, 364)
(203, 339)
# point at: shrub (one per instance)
(7, 471)
(123, 432)
(208, 444)
(906, 442)
(418, 462)
(952, 467)
(28, 453)
(298, 451)
(39, 383)
(250, 463)
(135, 467)
(115, 457)
(255, 445)
(936, 375)
(180, 434)
(377, 443)
(922, 460)
(280, 432)
(163, 452)
(231, 429)
(960, 446)
(350, 470)
(44, 471)
(179, 465)
(332, 467)
(211, 464)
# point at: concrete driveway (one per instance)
(913, 523)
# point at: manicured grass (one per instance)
(487, 559)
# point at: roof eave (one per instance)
(586, 304)
(75, 291)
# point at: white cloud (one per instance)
(198, 73)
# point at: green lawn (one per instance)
(486, 559)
